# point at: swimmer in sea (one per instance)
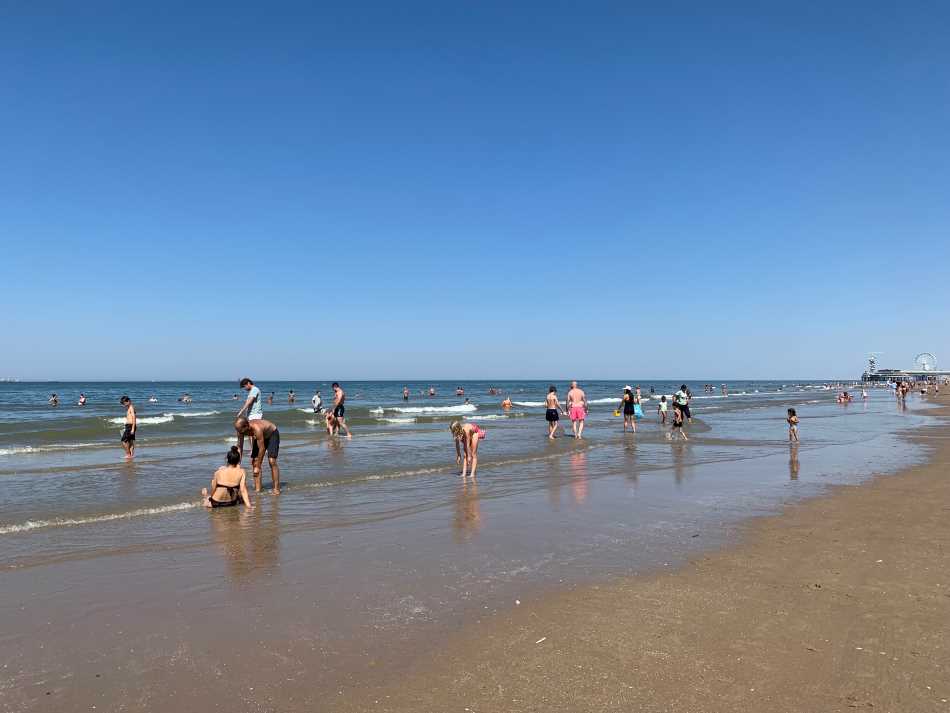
(506, 404)
(82, 400)
(228, 484)
(291, 397)
(553, 412)
(467, 436)
(53, 400)
(405, 393)
(152, 400)
(128, 434)
(460, 391)
(265, 439)
(431, 391)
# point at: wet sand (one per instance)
(840, 603)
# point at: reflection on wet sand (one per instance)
(679, 462)
(249, 540)
(579, 477)
(468, 512)
(793, 465)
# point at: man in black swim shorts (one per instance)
(131, 423)
(339, 407)
(265, 438)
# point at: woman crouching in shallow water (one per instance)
(467, 436)
(228, 485)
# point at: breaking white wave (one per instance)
(148, 420)
(378, 411)
(17, 450)
(529, 404)
(195, 414)
(406, 419)
(73, 521)
(461, 408)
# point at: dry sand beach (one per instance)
(840, 603)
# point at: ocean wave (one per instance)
(529, 404)
(194, 414)
(148, 420)
(405, 419)
(74, 521)
(17, 450)
(494, 417)
(461, 408)
(378, 411)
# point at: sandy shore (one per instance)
(839, 603)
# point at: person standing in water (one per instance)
(792, 426)
(466, 437)
(627, 403)
(339, 408)
(661, 410)
(53, 400)
(265, 439)
(291, 397)
(252, 408)
(82, 400)
(128, 434)
(405, 393)
(553, 413)
(677, 428)
(228, 485)
(577, 409)
(317, 402)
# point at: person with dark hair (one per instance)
(792, 426)
(228, 485)
(291, 397)
(339, 408)
(265, 439)
(128, 435)
(681, 400)
(252, 408)
(628, 404)
(553, 411)
(467, 437)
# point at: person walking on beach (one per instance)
(627, 405)
(317, 402)
(792, 426)
(128, 434)
(577, 409)
(467, 436)
(339, 408)
(661, 410)
(265, 439)
(553, 413)
(228, 484)
(682, 398)
(252, 408)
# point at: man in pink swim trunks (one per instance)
(577, 409)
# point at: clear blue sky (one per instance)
(484, 190)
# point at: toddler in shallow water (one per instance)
(792, 426)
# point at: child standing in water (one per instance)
(677, 427)
(792, 426)
(662, 409)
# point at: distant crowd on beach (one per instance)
(228, 486)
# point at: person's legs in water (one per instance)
(274, 474)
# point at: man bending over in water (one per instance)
(128, 435)
(265, 439)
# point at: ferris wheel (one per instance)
(926, 361)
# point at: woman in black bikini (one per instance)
(228, 486)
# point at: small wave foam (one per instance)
(461, 408)
(74, 521)
(17, 450)
(404, 419)
(148, 420)
(195, 414)
(376, 411)
(528, 404)
(493, 417)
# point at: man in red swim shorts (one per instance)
(577, 409)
